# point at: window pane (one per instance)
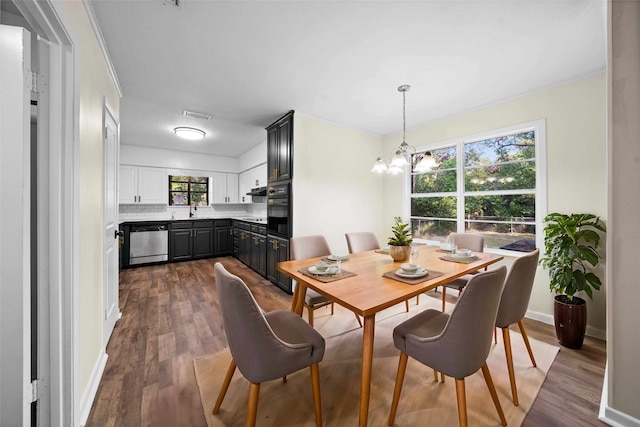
(178, 178)
(178, 198)
(501, 208)
(200, 199)
(432, 229)
(497, 235)
(434, 207)
(434, 182)
(199, 179)
(179, 186)
(198, 187)
(505, 176)
(519, 146)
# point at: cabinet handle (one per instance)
(230, 232)
(139, 199)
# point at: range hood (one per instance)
(260, 191)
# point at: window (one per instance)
(187, 190)
(489, 184)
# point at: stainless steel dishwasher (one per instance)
(148, 243)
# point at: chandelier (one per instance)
(402, 154)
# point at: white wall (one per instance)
(334, 191)
(144, 156)
(575, 116)
(622, 382)
(95, 85)
(254, 157)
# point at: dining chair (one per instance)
(456, 344)
(513, 306)
(304, 247)
(264, 346)
(473, 242)
(361, 241)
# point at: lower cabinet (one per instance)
(258, 257)
(223, 241)
(278, 251)
(191, 240)
(244, 243)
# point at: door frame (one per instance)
(58, 203)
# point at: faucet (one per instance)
(190, 210)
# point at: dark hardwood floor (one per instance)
(170, 316)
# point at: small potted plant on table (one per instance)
(400, 242)
(571, 245)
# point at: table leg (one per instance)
(294, 299)
(298, 298)
(367, 362)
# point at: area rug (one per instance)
(423, 401)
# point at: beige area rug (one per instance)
(423, 401)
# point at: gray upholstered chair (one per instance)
(473, 242)
(304, 247)
(264, 346)
(455, 344)
(513, 306)
(361, 241)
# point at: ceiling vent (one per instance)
(195, 115)
(176, 3)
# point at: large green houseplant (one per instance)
(571, 245)
(400, 242)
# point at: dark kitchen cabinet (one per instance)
(244, 243)
(280, 149)
(191, 240)
(258, 252)
(223, 239)
(278, 251)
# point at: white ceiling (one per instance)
(248, 62)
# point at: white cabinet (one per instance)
(224, 188)
(244, 186)
(259, 176)
(143, 185)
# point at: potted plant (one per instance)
(571, 245)
(400, 242)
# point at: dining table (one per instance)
(365, 288)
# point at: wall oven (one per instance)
(278, 210)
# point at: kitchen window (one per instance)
(491, 184)
(187, 190)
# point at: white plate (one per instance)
(421, 272)
(465, 257)
(328, 272)
(338, 257)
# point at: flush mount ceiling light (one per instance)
(189, 133)
(402, 154)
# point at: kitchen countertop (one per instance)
(253, 220)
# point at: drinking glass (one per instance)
(414, 255)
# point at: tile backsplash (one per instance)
(151, 212)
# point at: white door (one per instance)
(15, 205)
(111, 238)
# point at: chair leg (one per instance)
(442, 377)
(332, 309)
(492, 390)
(225, 386)
(358, 319)
(506, 338)
(406, 305)
(417, 299)
(252, 409)
(435, 375)
(526, 341)
(310, 311)
(462, 402)
(495, 335)
(444, 298)
(402, 367)
(315, 388)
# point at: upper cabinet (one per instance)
(143, 185)
(244, 186)
(224, 188)
(258, 176)
(280, 148)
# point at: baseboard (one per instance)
(92, 388)
(611, 416)
(548, 319)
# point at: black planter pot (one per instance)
(570, 317)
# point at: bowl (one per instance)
(322, 266)
(409, 268)
(464, 252)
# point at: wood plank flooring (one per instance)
(170, 315)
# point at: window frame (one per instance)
(206, 193)
(540, 192)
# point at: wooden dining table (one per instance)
(368, 292)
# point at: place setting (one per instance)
(327, 271)
(464, 256)
(410, 272)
